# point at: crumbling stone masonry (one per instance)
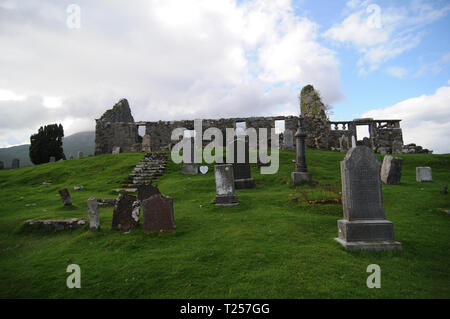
(116, 128)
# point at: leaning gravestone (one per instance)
(364, 226)
(1, 165)
(224, 176)
(241, 163)
(126, 212)
(189, 165)
(116, 150)
(94, 219)
(15, 163)
(80, 155)
(146, 191)
(288, 140)
(65, 196)
(391, 170)
(423, 174)
(158, 213)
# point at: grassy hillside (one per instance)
(269, 246)
(83, 141)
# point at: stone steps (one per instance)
(151, 167)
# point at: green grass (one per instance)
(268, 246)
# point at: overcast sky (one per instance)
(224, 58)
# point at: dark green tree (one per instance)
(47, 142)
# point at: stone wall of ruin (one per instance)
(385, 136)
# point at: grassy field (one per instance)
(274, 244)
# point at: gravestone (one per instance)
(146, 146)
(189, 165)
(2, 165)
(288, 140)
(146, 191)
(126, 212)
(423, 174)
(343, 143)
(241, 163)
(65, 196)
(80, 155)
(116, 150)
(94, 218)
(15, 163)
(158, 213)
(224, 176)
(391, 170)
(397, 147)
(364, 226)
(52, 159)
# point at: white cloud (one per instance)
(398, 29)
(425, 119)
(170, 59)
(397, 71)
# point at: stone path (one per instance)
(151, 167)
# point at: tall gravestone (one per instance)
(126, 212)
(94, 218)
(364, 226)
(15, 163)
(241, 163)
(158, 213)
(288, 140)
(225, 190)
(423, 174)
(65, 196)
(391, 170)
(189, 165)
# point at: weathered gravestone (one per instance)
(241, 163)
(146, 145)
(364, 226)
(158, 213)
(391, 170)
(52, 159)
(65, 196)
(126, 212)
(94, 218)
(225, 195)
(189, 165)
(343, 143)
(2, 165)
(80, 155)
(146, 191)
(15, 163)
(288, 140)
(116, 150)
(423, 174)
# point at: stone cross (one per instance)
(364, 226)
(15, 163)
(288, 140)
(391, 170)
(423, 174)
(94, 218)
(189, 165)
(158, 213)
(301, 174)
(126, 212)
(224, 176)
(65, 196)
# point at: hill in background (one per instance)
(83, 141)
